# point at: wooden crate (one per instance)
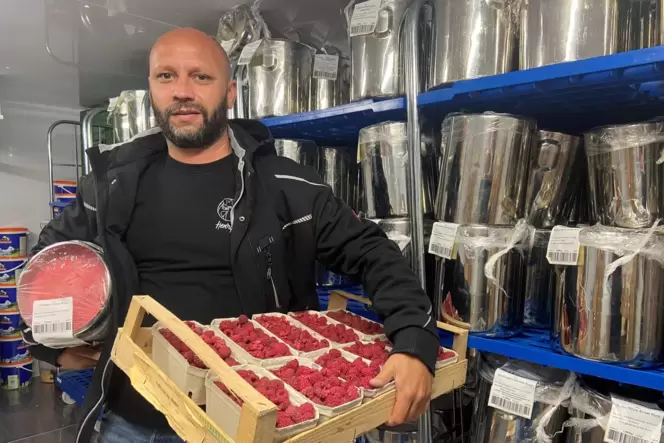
(131, 353)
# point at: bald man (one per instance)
(203, 216)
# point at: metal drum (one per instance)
(552, 167)
(492, 425)
(327, 92)
(406, 433)
(377, 58)
(484, 168)
(554, 31)
(614, 316)
(540, 284)
(336, 168)
(304, 152)
(626, 181)
(383, 161)
(279, 78)
(473, 38)
(491, 307)
(70, 270)
(638, 24)
(131, 114)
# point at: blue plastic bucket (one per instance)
(15, 375)
(10, 270)
(8, 298)
(65, 198)
(13, 350)
(9, 324)
(58, 207)
(13, 243)
(64, 187)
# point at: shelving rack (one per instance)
(570, 97)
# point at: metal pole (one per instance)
(87, 136)
(412, 71)
(49, 148)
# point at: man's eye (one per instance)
(165, 76)
(203, 77)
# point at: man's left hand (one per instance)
(413, 382)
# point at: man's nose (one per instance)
(183, 89)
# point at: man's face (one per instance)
(190, 92)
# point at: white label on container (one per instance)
(365, 17)
(52, 322)
(513, 394)
(563, 248)
(326, 66)
(443, 238)
(248, 52)
(633, 423)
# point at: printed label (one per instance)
(365, 17)
(443, 239)
(513, 394)
(326, 66)
(564, 244)
(633, 423)
(52, 322)
(248, 52)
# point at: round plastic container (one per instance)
(13, 242)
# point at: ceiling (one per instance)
(78, 53)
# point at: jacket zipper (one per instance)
(268, 256)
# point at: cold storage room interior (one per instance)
(532, 218)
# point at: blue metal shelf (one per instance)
(533, 346)
(571, 96)
(340, 124)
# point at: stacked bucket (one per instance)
(65, 194)
(15, 359)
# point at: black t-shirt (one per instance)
(179, 237)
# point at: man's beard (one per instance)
(193, 138)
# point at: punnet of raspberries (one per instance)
(274, 390)
(216, 343)
(321, 389)
(252, 339)
(445, 354)
(334, 332)
(299, 338)
(357, 372)
(356, 322)
(374, 351)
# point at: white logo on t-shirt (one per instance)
(224, 212)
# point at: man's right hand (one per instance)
(80, 357)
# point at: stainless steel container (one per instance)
(406, 433)
(551, 171)
(473, 38)
(236, 29)
(131, 114)
(540, 284)
(383, 161)
(638, 24)
(491, 425)
(484, 168)
(304, 152)
(614, 316)
(626, 181)
(377, 58)
(279, 78)
(326, 92)
(471, 300)
(336, 168)
(554, 31)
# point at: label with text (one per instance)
(512, 393)
(443, 239)
(364, 18)
(563, 247)
(326, 66)
(633, 423)
(248, 52)
(52, 322)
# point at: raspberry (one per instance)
(334, 332)
(254, 340)
(208, 336)
(445, 354)
(371, 351)
(356, 322)
(300, 339)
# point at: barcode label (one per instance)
(364, 18)
(510, 406)
(563, 247)
(633, 423)
(248, 52)
(615, 436)
(51, 328)
(326, 66)
(512, 393)
(443, 239)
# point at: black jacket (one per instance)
(284, 219)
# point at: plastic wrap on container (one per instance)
(237, 27)
(540, 283)
(69, 270)
(626, 243)
(390, 138)
(552, 393)
(618, 137)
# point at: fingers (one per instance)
(418, 407)
(401, 408)
(385, 376)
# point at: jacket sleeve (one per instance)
(360, 249)
(72, 224)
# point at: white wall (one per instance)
(24, 193)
